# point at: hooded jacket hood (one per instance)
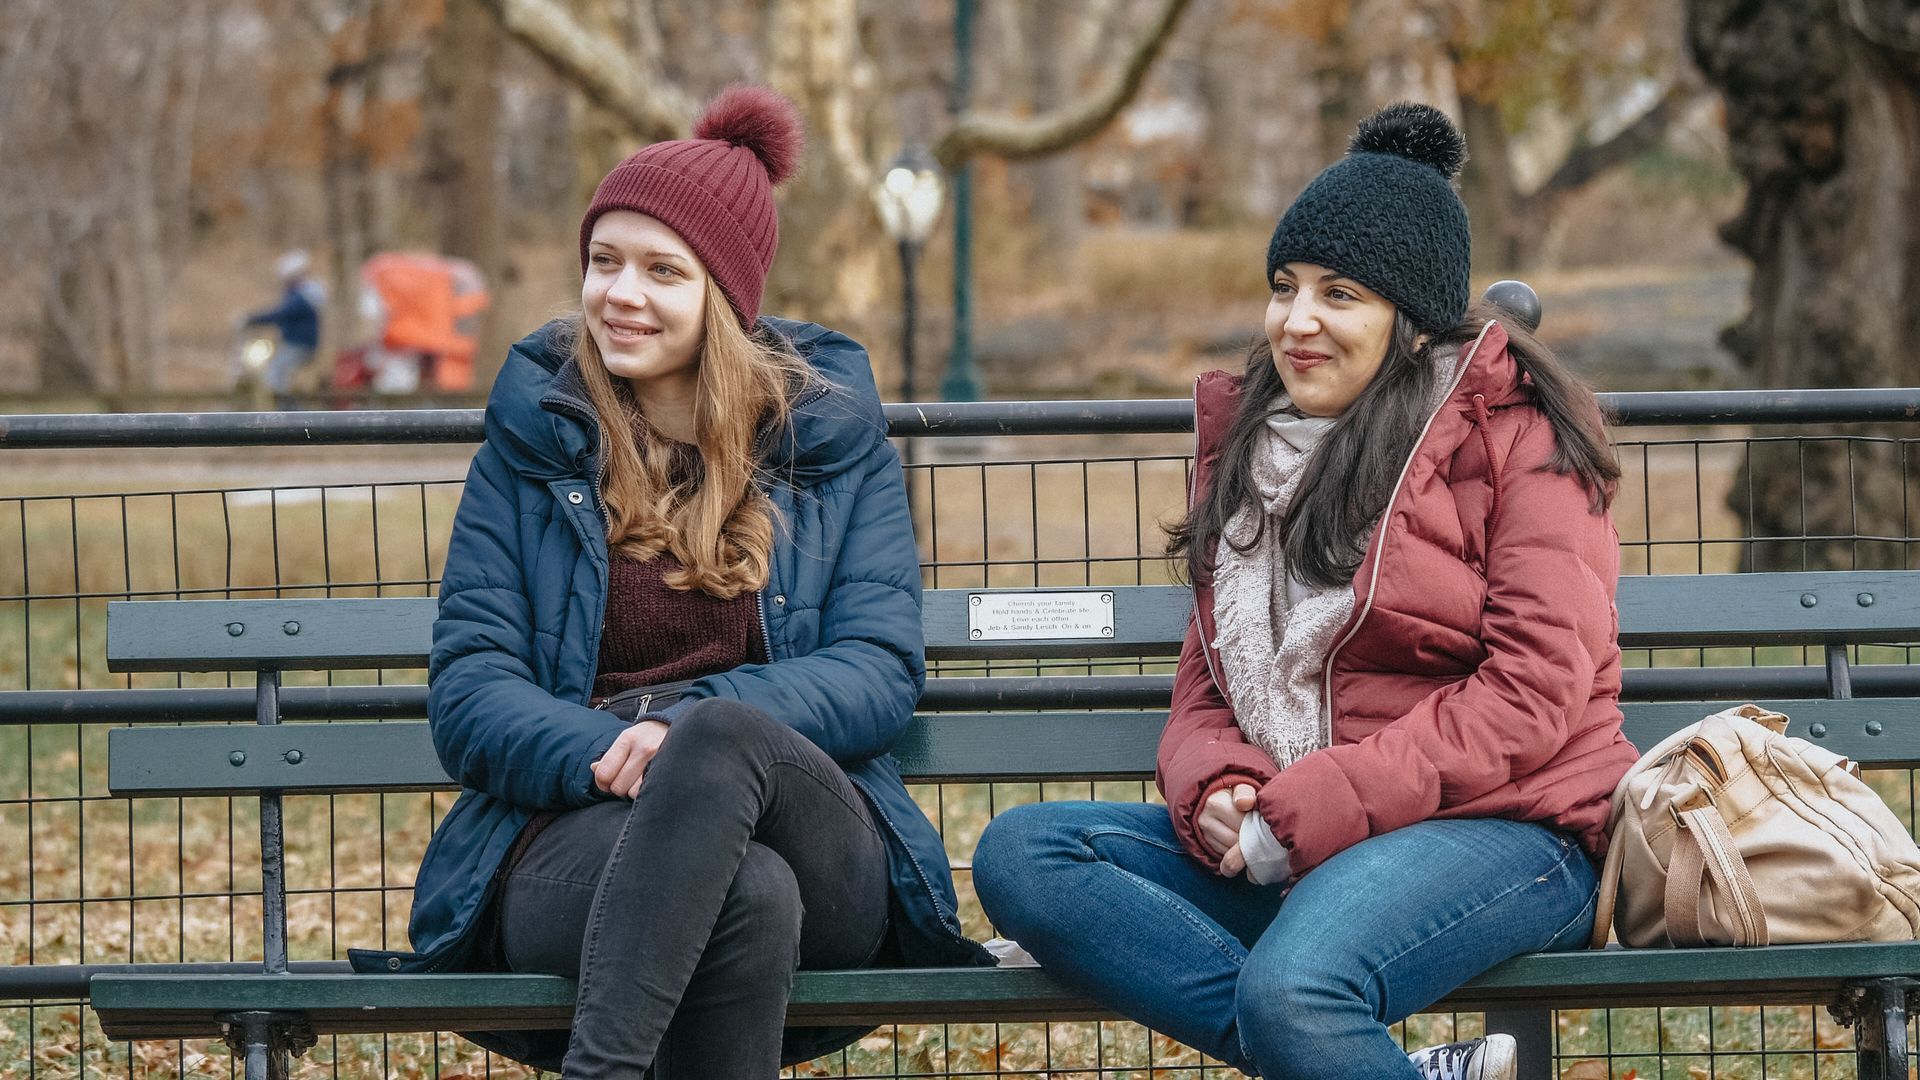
(540, 417)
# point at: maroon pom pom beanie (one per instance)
(715, 189)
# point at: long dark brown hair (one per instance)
(1352, 473)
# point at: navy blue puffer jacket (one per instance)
(523, 599)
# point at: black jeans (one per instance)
(684, 913)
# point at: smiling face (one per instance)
(644, 303)
(1329, 335)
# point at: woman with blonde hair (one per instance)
(679, 632)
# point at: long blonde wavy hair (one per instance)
(717, 522)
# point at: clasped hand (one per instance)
(1219, 825)
(619, 770)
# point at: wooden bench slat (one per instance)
(171, 1007)
(243, 759)
(1877, 732)
(301, 634)
(1150, 620)
(340, 758)
(1684, 610)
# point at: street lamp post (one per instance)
(961, 383)
(908, 198)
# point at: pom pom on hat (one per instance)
(1417, 132)
(760, 119)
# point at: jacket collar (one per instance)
(539, 416)
(1491, 372)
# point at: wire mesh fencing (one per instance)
(89, 878)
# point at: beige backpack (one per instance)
(1731, 833)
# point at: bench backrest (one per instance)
(959, 742)
(1671, 611)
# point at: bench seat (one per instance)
(187, 1006)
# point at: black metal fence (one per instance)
(1714, 483)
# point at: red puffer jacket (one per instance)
(1480, 673)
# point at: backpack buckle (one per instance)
(1697, 799)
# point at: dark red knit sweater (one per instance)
(654, 634)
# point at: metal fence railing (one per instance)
(1038, 493)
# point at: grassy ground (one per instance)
(87, 877)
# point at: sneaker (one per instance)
(1491, 1058)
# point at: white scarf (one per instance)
(1272, 631)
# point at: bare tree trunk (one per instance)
(139, 277)
(1829, 145)
(344, 178)
(602, 138)
(369, 204)
(1487, 187)
(1341, 77)
(1229, 95)
(66, 366)
(1058, 202)
(339, 180)
(107, 138)
(830, 262)
(462, 149)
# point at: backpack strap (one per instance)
(1704, 846)
(1609, 891)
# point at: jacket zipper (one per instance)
(1206, 646)
(598, 623)
(806, 397)
(946, 920)
(760, 607)
(1380, 551)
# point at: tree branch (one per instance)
(608, 75)
(1036, 136)
(1590, 160)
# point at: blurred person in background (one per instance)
(296, 319)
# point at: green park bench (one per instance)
(1044, 727)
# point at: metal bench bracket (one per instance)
(1877, 1012)
(267, 1041)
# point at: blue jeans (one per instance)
(1276, 982)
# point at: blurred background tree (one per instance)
(1829, 147)
(1129, 158)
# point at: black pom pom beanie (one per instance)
(1387, 216)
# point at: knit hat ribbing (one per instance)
(1387, 216)
(715, 190)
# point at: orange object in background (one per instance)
(431, 306)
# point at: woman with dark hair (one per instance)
(679, 632)
(1395, 729)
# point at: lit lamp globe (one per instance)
(909, 198)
